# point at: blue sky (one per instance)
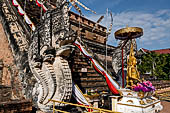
(151, 15)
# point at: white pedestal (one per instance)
(132, 103)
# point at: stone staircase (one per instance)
(84, 74)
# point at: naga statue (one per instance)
(51, 44)
(41, 56)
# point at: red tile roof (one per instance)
(162, 51)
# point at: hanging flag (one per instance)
(78, 95)
(22, 13)
(113, 85)
(97, 66)
(27, 20)
(86, 8)
(44, 8)
(15, 3)
(86, 54)
(76, 7)
(38, 3)
(110, 28)
(20, 10)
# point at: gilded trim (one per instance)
(139, 106)
(129, 94)
(142, 102)
(130, 101)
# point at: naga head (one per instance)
(37, 61)
(48, 54)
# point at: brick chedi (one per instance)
(46, 60)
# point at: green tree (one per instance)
(157, 64)
(166, 68)
(147, 62)
(160, 62)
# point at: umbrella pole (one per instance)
(123, 76)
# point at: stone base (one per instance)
(16, 106)
(134, 102)
(5, 93)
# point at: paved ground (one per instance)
(166, 104)
(166, 107)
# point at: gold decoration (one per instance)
(130, 101)
(132, 73)
(142, 102)
(129, 32)
(120, 98)
(141, 94)
(149, 100)
(91, 97)
(129, 94)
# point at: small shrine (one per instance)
(137, 95)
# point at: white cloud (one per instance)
(156, 26)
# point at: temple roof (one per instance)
(162, 51)
(159, 51)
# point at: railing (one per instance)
(97, 110)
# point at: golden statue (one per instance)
(132, 72)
